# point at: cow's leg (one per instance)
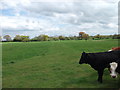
(100, 74)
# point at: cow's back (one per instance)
(102, 59)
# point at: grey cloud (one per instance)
(48, 7)
(91, 12)
(75, 14)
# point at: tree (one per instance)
(17, 38)
(116, 36)
(61, 37)
(81, 34)
(7, 37)
(22, 38)
(98, 36)
(43, 38)
(85, 36)
(34, 39)
(67, 38)
(56, 38)
(25, 38)
(72, 37)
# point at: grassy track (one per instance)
(53, 64)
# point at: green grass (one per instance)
(53, 64)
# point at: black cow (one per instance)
(118, 67)
(99, 61)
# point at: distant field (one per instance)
(53, 64)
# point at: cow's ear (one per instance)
(83, 53)
(110, 63)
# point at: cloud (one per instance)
(59, 17)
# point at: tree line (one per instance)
(81, 36)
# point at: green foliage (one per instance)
(72, 38)
(61, 37)
(34, 39)
(85, 36)
(97, 36)
(17, 38)
(116, 36)
(82, 36)
(7, 37)
(67, 38)
(25, 40)
(42, 38)
(55, 38)
(21, 38)
(53, 64)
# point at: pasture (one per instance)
(53, 64)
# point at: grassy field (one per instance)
(53, 64)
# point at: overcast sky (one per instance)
(55, 17)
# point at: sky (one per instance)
(58, 17)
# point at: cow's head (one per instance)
(113, 67)
(118, 67)
(83, 58)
